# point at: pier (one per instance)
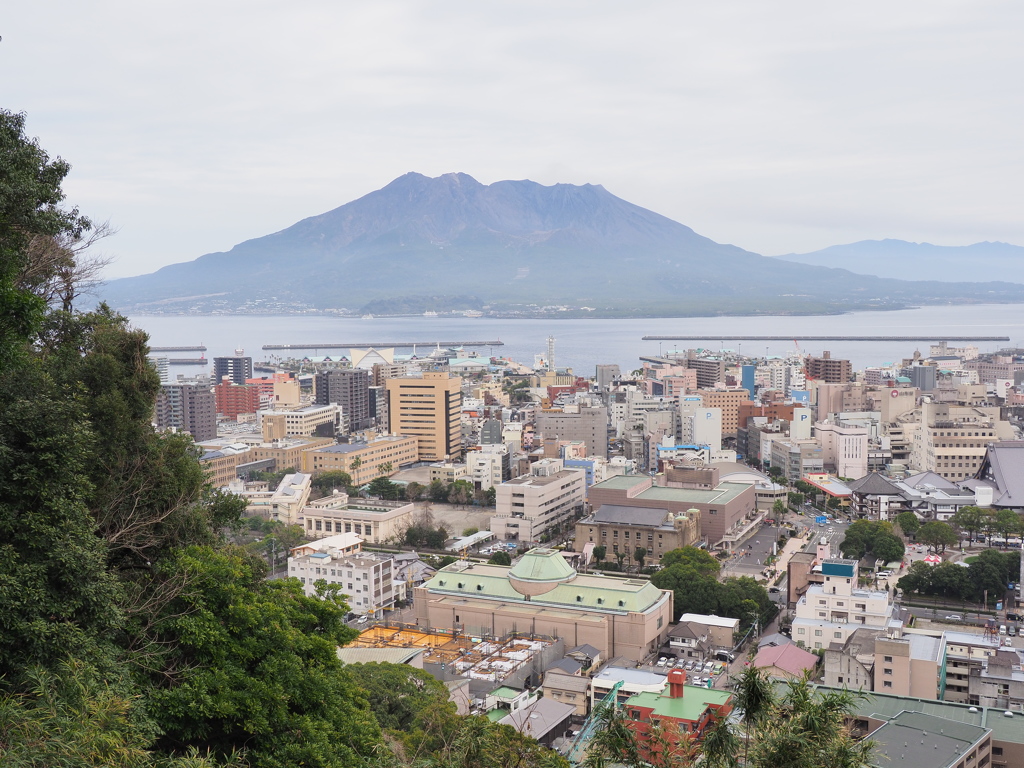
(385, 345)
(799, 337)
(200, 348)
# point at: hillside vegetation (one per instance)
(131, 633)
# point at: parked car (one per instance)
(884, 574)
(954, 617)
(680, 664)
(690, 665)
(663, 661)
(725, 656)
(1008, 642)
(1012, 631)
(719, 668)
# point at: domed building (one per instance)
(542, 594)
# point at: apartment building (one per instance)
(428, 408)
(187, 407)
(235, 399)
(577, 422)
(999, 683)
(384, 456)
(527, 507)
(221, 465)
(729, 401)
(797, 458)
(237, 369)
(830, 612)
(488, 467)
(828, 369)
(366, 580)
(349, 388)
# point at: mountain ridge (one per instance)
(513, 243)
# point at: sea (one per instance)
(581, 344)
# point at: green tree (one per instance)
(383, 488)
(414, 491)
(328, 481)
(253, 666)
(600, 551)
(938, 535)
(460, 492)
(1007, 523)
(968, 520)
(491, 496)
(796, 500)
(698, 559)
(638, 555)
(908, 523)
(755, 699)
(619, 557)
(437, 491)
(779, 509)
(385, 468)
(888, 548)
(917, 579)
(500, 557)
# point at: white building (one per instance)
(284, 503)
(829, 612)
(484, 468)
(366, 580)
(528, 506)
(843, 447)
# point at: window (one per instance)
(817, 633)
(837, 635)
(840, 678)
(887, 671)
(800, 631)
(887, 659)
(887, 684)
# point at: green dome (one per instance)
(540, 570)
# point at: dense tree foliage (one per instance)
(692, 575)
(131, 632)
(908, 523)
(938, 535)
(500, 557)
(872, 538)
(991, 572)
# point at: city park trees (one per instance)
(872, 537)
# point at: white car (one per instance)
(884, 574)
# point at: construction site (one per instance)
(511, 660)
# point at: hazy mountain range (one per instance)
(914, 261)
(453, 243)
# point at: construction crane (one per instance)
(578, 748)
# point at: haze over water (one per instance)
(581, 344)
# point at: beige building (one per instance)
(428, 408)
(221, 464)
(363, 461)
(568, 689)
(577, 422)
(729, 401)
(376, 522)
(447, 472)
(726, 509)
(320, 420)
(623, 529)
(951, 440)
(528, 506)
(844, 448)
(284, 503)
(542, 594)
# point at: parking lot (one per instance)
(708, 673)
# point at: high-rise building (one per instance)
(237, 368)
(577, 422)
(428, 408)
(233, 399)
(187, 407)
(348, 388)
(828, 369)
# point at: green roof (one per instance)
(621, 482)
(690, 706)
(723, 493)
(886, 706)
(504, 692)
(496, 714)
(542, 565)
(585, 592)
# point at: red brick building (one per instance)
(234, 399)
(683, 713)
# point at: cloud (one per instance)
(780, 127)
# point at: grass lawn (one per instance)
(971, 559)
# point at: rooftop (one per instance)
(690, 706)
(917, 740)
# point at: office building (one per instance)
(428, 408)
(348, 388)
(577, 422)
(529, 506)
(829, 369)
(384, 456)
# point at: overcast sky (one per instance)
(777, 126)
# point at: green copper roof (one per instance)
(585, 592)
(694, 701)
(542, 565)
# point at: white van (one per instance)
(1002, 629)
